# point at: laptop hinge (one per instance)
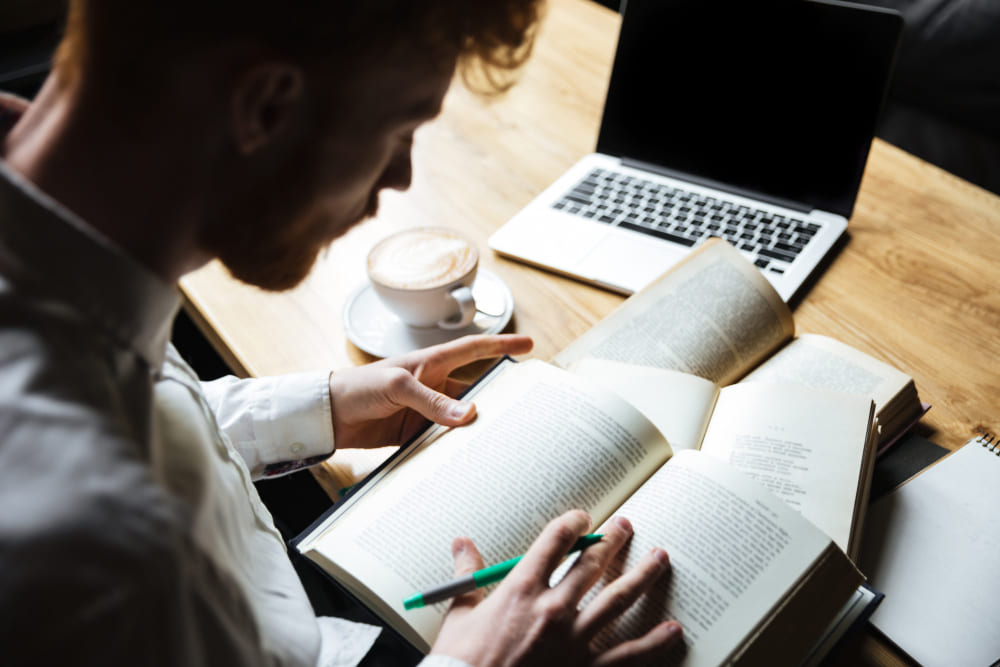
(707, 182)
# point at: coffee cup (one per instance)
(424, 276)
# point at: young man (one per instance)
(170, 134)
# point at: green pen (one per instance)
(479, 578)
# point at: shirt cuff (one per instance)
(278, 424)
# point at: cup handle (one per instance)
(467, 309)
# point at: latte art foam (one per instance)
(421, 259)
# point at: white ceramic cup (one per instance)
(424, 276)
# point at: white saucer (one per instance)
(377, 331)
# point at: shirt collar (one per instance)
(50, 251)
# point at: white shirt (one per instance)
(130, 529)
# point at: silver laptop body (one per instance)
(750, 121)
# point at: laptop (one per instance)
(750, 120)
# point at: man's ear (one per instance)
(265, 99)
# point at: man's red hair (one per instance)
(129, 40)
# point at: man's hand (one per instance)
(524, 622)
(386, 402)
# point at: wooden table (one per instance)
(917, 284)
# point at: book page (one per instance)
(824, 363)
(678, 404)
(544, 442)
(808, 447)
(713, 315)
(734, 549)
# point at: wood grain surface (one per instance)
(916, 282)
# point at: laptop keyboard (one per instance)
(688, 218)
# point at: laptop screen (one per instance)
(774, 97)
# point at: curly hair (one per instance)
(491, 39)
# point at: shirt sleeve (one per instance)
(438, 660)
(278, 424)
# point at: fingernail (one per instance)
(457, 548)
(624, 524)
(661, 557)
(460, 410)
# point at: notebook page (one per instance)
(931, 547)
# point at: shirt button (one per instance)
(298, 448)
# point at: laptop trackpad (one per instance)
(628, 260)
(549, 238)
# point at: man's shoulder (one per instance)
(60, 379)
(75, 480)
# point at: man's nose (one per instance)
(399, 174)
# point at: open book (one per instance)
(714, 316)
(812, 448)
(751, 576)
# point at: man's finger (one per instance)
(467, 561)
(409, 392)
(551, 547)
(594, 560)
(651, 648)
(622, 593)
(467, 349)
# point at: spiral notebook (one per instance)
(931, 546)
